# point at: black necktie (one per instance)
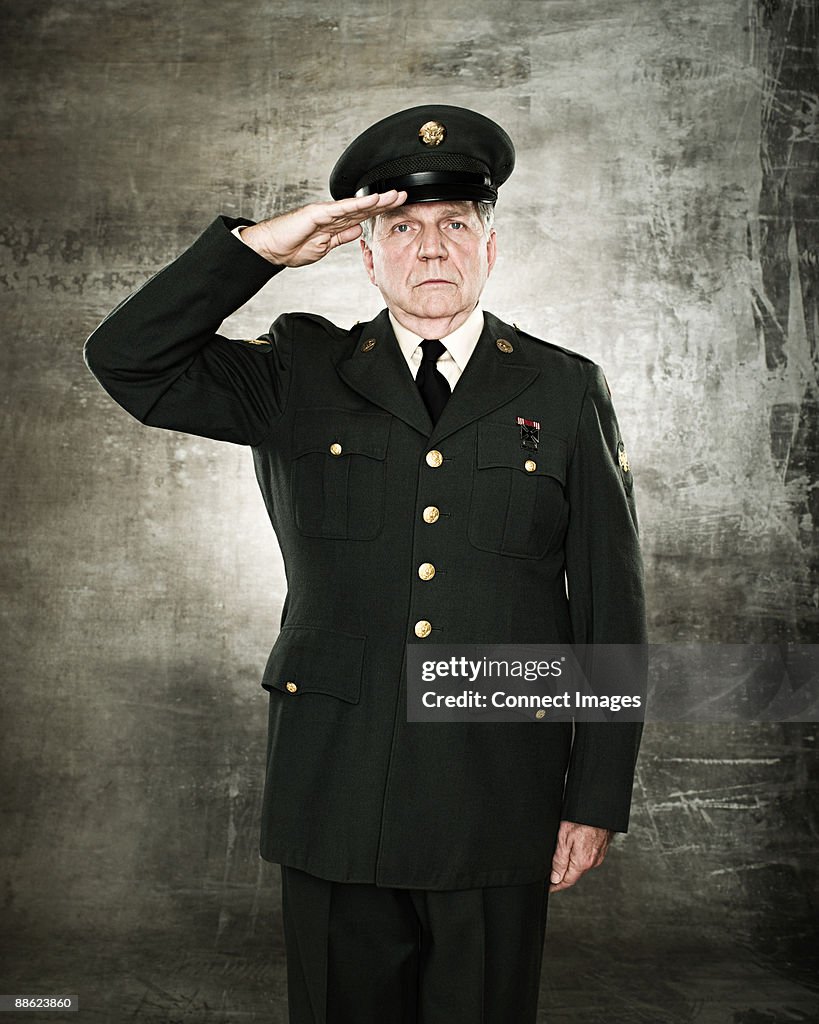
(431, 382)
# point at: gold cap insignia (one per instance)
(432, 133)
(622, 457)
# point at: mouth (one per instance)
(434, 280)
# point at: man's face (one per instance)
(430, 261)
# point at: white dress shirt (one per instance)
(459, 345)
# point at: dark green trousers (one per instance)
(367, 954)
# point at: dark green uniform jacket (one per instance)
(354, 792)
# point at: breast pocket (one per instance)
(518, 505)
(337, 481)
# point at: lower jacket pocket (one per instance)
(307, 659)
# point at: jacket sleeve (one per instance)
(606, 603)
(158, 354)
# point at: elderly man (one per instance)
(433, 475)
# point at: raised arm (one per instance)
(158, 354)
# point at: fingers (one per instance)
(347, 235)
(305, 235)
(344, 213)
(386, 200)
(340, 222)
(375, 202)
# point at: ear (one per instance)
(491, 251)
(367, 256)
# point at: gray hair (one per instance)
(485, 212)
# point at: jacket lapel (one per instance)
(378, 371)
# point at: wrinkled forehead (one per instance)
(462, 208)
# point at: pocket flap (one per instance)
(307, 659)
(355, 433)
(499, 446)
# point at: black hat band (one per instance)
(428, 186)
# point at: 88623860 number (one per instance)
(42, 1002)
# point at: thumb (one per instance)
(560, 862)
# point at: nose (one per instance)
(431, 245)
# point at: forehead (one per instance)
(431, 211)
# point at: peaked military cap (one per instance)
(434, 152)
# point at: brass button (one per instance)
(431, 514)
(423, 628)
(290, 687)
(368, 345)
(335, 448)
(426, 570)
(530, 465)
(434, 458)
(504, 345)
(540, 713)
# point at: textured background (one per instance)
(662, 219)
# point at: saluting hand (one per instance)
(306, 235)
(578, 849)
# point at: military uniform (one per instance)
(348, 464)
(395, 531)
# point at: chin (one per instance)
(438, 311)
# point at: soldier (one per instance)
(432, 475)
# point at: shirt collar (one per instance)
(460, 344)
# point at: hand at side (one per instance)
(578, 849)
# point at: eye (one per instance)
(457, 224)
(401, 229)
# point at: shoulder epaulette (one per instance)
(552, 345)
(323, 322)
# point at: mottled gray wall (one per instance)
(662, 219)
